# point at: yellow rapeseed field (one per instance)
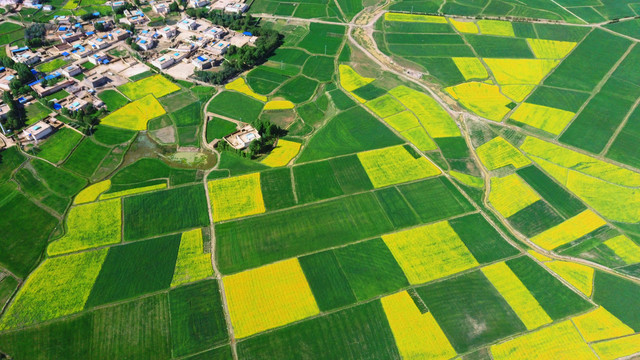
(59, 286)
(496, 27)
(284, 151)
(429, 252)
(418, 336)
(471, 68)
(483, 99)
(517, 93)
(571, 229)
(236, 197)
(433, 117)
(279, 105)
(135, 115)
(517, 296)
(545, 118)
(90, 225)
(268, 297)
(617, 203)
(466, 27)
(520, 71)
(558, 341)
(419, 137)
(157, 85)
(414, 18)
(192, 263)
(498, 152)
(559, 173)
(92, 192)
(240, 86)
(469, 180)
(139, 190)
(385, 105)
(511, 194)
(539, 256)
(580, 162)
(600, 324)
(395, 165)
(550, 49)
(403, 121)
(624, 248)
(350, 79)
(578, 275)
(617, 348)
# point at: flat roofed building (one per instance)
(242, 138)
(38, 131)
(187, 24)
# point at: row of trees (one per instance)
(17, 116)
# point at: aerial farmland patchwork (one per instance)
(327, 179)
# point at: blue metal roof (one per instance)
(65, 54)
(247, 33)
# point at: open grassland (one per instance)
(599, 324)
(517, 295)
(134, 116)
(498, 153)
(417, 335)
(511, 194)
(91, 193)
(58, 287)
(557, 341)
(192, 263)
(429, 252)
(578, 275)
(90, 225)
(156, 85)
(617, 348)
(240, 86)
(59, 146)
(282, 154)
(268, 297)
(395, 165)
(570, 230)
(236, 197)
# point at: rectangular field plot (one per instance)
(134, 116)
(165, 211)
(315, 181)
(460, 304)
(570, 230)
(564, 202)
(197, 318)
(397, 208)
(86, 158)
(243, 244)
(323, 39)
(268, 297)
(358, 332)
(156, 85)
(135, 269)
(350, 174)
(482, 239)
(395, 165)
(600, 324)
(236, 196)
(327, 281)
(429, 252)
(277, 190)
(444, 199)
(498, 153)
(511, 194)
(59, 145)
(626, 146)
(618, 295)
(192, 263)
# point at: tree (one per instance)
(174, 7)
(100, 26)
(16, 117)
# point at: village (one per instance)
(88, 57)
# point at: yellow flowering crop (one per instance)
(558, 341)
(157, 85)
(403, 121)
(91, 192)
(350, 79)
(557, 172)
(284, 151)
(520, 71)
(418, 336)
(498, 152)
(617, 348)
(420, 138)
(511, 194)
(279, 105)
(539, 256)
(545, 118)
(385, 105)
(268, 297)
(59, 286)
(139, 190)
(240, 86)
(466, 27)
(496, 27)
(414, 18)
(395, 165)
(90, 225)
(135, 115)
(429, 252)
(571, 229)
(470, 68)
(517, 296)
(433, 117)
(236, 197)
(483, 99)
(517, 93)
(550, 49)
(625, 249)
(578, 275)
(600, 324)
(469, 180)
(192, 263)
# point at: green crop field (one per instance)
(59, 146)
(86, 158)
